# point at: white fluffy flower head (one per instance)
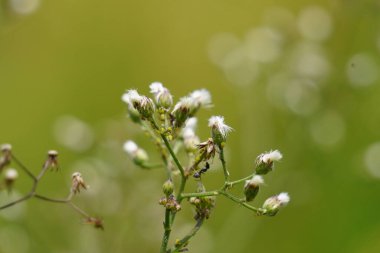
(256, 180)
(156, 87)
(271, 156)
(191, 123)
(185, 103)
(217, 124)
(131, 96)
(201, 97)
(130, 147)
(283, 198)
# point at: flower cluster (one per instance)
(172, 127)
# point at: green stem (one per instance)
(199, 194)
(157, 141)
(242, 180)
(225, 194)
(167, 229)
(221, 157)
(150, 166)
(181, 243)
(176, 161)
(241, 202)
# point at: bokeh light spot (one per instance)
(302, 96)
(314, 23)
(263, 44)
(372, 159)
(24, 6)
(73, 133)
(362, 70)
(327, 129)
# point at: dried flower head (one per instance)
(96, 222)
(207, 149)
(78, 183)
(51, 161)
(219, 129)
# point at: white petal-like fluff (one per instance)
(130, 147)
(272, 156)
(217, 122)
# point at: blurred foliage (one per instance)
(300, 77)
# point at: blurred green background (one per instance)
(298, 76)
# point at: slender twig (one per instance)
(242, 180)
(179, 245)
(242, 202)
(79, 210)
(32, 192)
(26, 197)
(51, 199)
(23, 167)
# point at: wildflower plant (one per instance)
(10, 176)
(172, 127)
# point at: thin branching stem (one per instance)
(225, 194)
(23, 167)
(181, 243)
(32, 193)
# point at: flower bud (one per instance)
(142, 104)
(219, 130)
(168, 187)
(96, 222)
(272, 205)
(181, 111)
(162, 95)
(265, 161)
(251, 187)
